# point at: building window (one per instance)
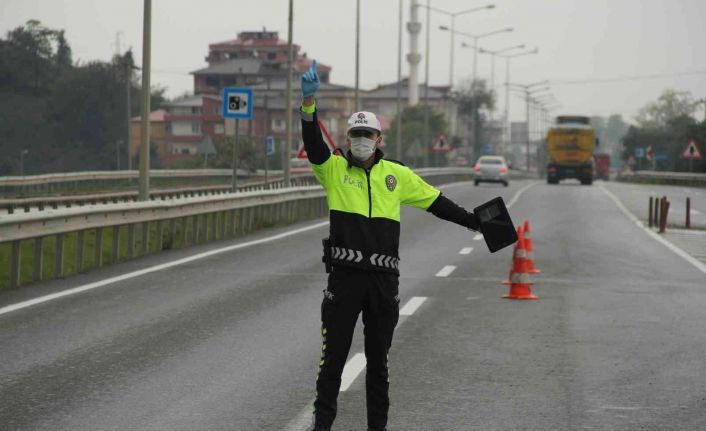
(196, 128)
(278, 125)
(271, 55)
(219, 129)
(212, 82)
(195, 109)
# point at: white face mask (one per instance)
(362, 148)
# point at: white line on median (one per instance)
(411, 306)
(85, 287)
(678, 251)
(518, 194)
(445, 271)
(466, 250)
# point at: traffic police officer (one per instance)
(364, 193)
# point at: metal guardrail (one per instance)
(92, 236)
(41, 202)
(668, 178)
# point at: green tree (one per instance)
(474, 101)
(414, 151)
(670, 105)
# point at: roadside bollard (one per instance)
(664, 210)
(688, 213)
(655, 219)
(649, 214)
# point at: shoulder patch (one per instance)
(391, 182)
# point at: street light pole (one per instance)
(476, 38)
(357, 54)
(507, 94)
(145, 130)
(398, 137)
(22, 162)
(425, 141)
(288, 106)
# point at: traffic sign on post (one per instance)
(691, 152)
(270, 144)
(441, 144)
(237, 103)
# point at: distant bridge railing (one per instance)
(58, 242)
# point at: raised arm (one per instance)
(316, 149)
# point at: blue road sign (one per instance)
(639, 152)
(661, 157)
(270, 142)
(238, 102)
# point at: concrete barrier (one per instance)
(667, 178)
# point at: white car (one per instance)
(491, 169)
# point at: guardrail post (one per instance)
(78, 252)
(15, 264)
(115, 245)
(688, 213)
(195, 229)
(38, 258)
(59, 256)
(160, 241)
(130, 240)
(98, 250)
(649, 214)
(145, 237)
(204, 227)
(172, 232)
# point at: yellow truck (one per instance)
(571, 143)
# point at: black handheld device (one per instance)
(495, 224)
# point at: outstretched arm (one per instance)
(316, 149)
(446, 209)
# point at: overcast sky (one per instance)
(578, 40)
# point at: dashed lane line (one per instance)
(412, 305)
(445, 271)
(478, 237)
(351, 370)
(466, 250)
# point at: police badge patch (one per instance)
(391, 182)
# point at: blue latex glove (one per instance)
(310, 81)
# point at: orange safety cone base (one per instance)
(520, 291)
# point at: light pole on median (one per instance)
(493, 54)
(476, 38)
(23, 153)
(528, 89)
(453, 16)
(506, 140)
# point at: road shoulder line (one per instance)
(678, 251)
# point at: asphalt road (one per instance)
(231, 341)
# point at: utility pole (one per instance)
(357, 55)
(145, 131)
(398, 137)
(425, 145)
(288, 106)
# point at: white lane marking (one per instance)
(478, 237)
(411, 306)
(351, 370)
(445, 271)
(101, 283)
(466, 250)
(518, 194)
(678, 251)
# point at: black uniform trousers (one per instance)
(349, 292)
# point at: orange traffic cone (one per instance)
(519, 278)
(528, 247)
